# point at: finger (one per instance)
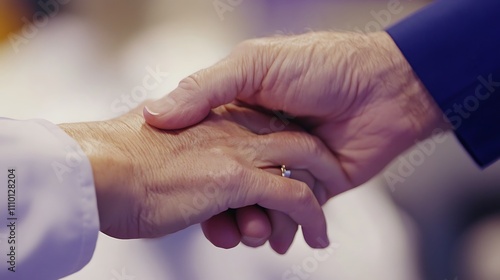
(222, 230)
(258, 122)
(284, 230)
(296, 174)
(291, 197)
(301, 150)
(226, 229)
(254, 225)
(197, 94)
(298, 150)
(253, 221)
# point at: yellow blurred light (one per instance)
(10, 18)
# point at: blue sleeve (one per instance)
(454, 48)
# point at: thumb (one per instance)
(197, 94)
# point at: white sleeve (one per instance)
(48, 210)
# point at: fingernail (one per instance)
(150, 111)
(253, 240)
(161, 106)
(322, 242)
(280, 248)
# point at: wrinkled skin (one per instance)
(151, 182)
(355, 92)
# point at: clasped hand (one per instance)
(223, 169)
(355, 95)
(354, 92)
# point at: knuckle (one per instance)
(191, 83)
(248, 51)
(236, 169)
(233, 172)
(241, 186)
(302, 195)
(246, 45)
(248, 148)
(221, 156)
(240, 150)
(310, 145)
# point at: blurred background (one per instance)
(432, 214)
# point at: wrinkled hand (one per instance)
(151, 182)
(356, 92)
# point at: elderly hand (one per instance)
(151, 182)
(356, 92)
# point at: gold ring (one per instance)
(285, 172)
